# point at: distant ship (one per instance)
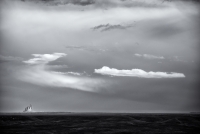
(28, 109)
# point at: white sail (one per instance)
(28, 109)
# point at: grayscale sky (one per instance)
(99, 55)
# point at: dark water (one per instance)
(63, 123)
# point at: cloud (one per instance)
(107, 27)
(103, 3)
(74, 73)
(79, 74)
(44, 58)
(88, 48)
(81, 2)
(64, 2)
(137, 73)
(58, 66)
(73, 47)
(10, 58)
(40, 74)
(148, 56)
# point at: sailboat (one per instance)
(28, 109)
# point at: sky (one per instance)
(99, 56)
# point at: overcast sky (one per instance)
(99, 55)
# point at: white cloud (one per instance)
(74, 73)
(148, 56)
(44, 58)
(137, 73)
(138, 55)
(41, 75)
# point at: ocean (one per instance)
(99, 123)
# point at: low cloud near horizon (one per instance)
(137, 73)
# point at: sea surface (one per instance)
(98, 123)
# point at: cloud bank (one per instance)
(137, 73)
(38, 73)
(148, 56)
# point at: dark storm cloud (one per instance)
(107, 27)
